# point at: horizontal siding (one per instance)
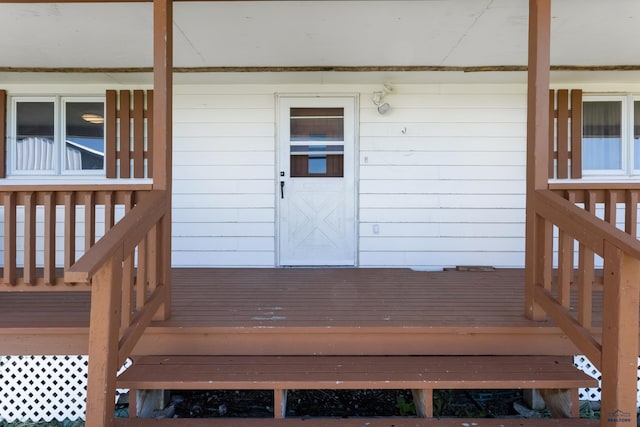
(434, 144)
(476, 172)
(442, 178)
(400, 214)
(224, 176)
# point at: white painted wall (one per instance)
(441, 175)
(224, 176)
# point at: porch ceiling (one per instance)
(447, 33)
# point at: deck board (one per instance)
(311, 311)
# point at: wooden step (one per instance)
(352, 372)
(357, 422)
(422, 374)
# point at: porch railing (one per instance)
(129, 275)
(47, 228)
(611, 346)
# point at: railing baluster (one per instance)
(69, 230)
(89, 220)
(143, 271)
(153, 258)
(565, 260)
(586, 271)
(164, 257)
(109, 211)
(544, 253)
(565, 267)
(49, 239)
(610, 207)
(29, 239)
(631, 213)
(128, 278)
(10, 239)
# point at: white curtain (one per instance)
(35, 153)
(73, 159)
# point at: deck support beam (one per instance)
(537, 145)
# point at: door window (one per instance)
(317, 142)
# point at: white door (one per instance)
(316, 184)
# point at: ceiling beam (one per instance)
(319, 68)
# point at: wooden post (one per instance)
(279, 403)
(104, 328)
(162, 93)
(162, 130)
(619, 338)
(537, 143)
(423, 402)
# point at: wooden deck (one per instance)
(307, 312)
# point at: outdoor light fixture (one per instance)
(378, 98)
(93, 118)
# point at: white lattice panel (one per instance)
(43, 388)
(593, 394)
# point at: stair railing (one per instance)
(613, 348)
(129, 275)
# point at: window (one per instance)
(317, 142)
(611, 135)
(57, 136)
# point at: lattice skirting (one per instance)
(47, 388)
(44, 388)
(593, 394)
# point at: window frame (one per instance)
(626, 144)
(633, 98)
(59, 136)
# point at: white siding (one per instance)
(224, 176)
(442, 177)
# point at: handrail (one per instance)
(584, 227)
(129, 275)
(121, 239)
(588, 185)
(107, 186)
(615, 353)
